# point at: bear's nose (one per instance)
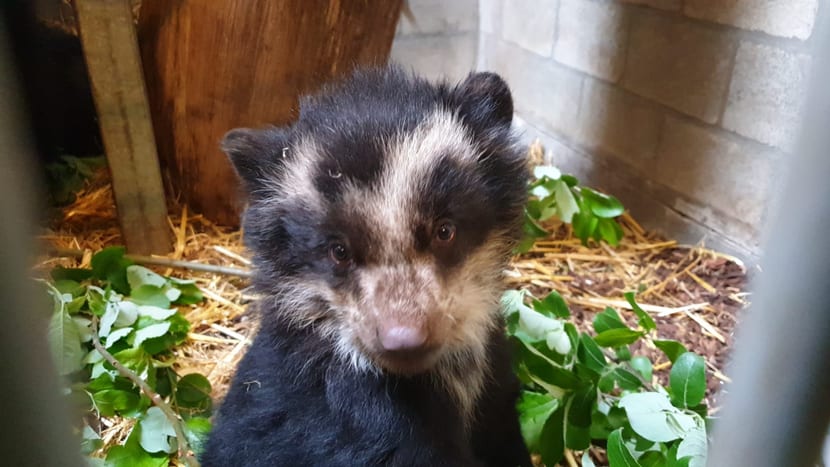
(398, 337)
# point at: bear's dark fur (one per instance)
(388, 209)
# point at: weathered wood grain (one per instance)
(111, 50)
(213, 65)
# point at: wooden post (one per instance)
(213, 65)
(110, 47)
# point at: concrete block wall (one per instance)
(686, 109)
(443, 40)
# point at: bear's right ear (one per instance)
(256, 155)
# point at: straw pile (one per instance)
(694, 293)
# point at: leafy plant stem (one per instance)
(183, 446)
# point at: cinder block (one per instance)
(437, 57)
(653, 205)
(719, 170)
(685, 66)
(439, 16)
(620, 124)
(530, 24)
(784, 18)
(672, 5)
(767, 94)
(543, 92)
(490, 15)
(591, 37)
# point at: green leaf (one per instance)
(524, 245)
(608, 319)
(111, 401)
(570, 180)
(584, 222)
(110, 265)
(552, 441)
(532, 228)
(623, 353)
(534, 410)
(544, 371)
(688, 380)
(150, 295)
(139, 275)
(610, 231)
(97, 302)
(626, 379)
(196, 430)
(149, 332)
(577, 438)
(590, 354)
(541, 327)
(117, 335)
(66, 286)
(694, 446)
(156, 430)
(553, 306)
(90, 440)
(581, 404)
(578, 409)
(602, 205)
(65, 342)
(618, 453)
(179, 327)
(673, 461)
(548, 171)
(643, 366)
(131, 454)
(193, 389)
(73, 274)
(117, 314)
(565, 201)
(643, 318)
(617, 337)
(672, 349)
(652, 416)
(156, 313)
(190, 293)
(652, 459)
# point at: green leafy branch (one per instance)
(581, 390)
(554, 194)
(173, 418)
(112, 332)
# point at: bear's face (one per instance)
(384, 217)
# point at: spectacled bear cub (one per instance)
(380, 223)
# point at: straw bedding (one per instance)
(695, 294)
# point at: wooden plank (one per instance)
(111, 50)
(213, 65)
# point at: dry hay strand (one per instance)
(220, 331)
(693, 293)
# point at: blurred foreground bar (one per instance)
(776, 412)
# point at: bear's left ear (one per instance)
(484, 100)
(256, 155)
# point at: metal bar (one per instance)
(776, 413)
(34, 426)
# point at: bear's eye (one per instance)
(445, 233)
(339, 253)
